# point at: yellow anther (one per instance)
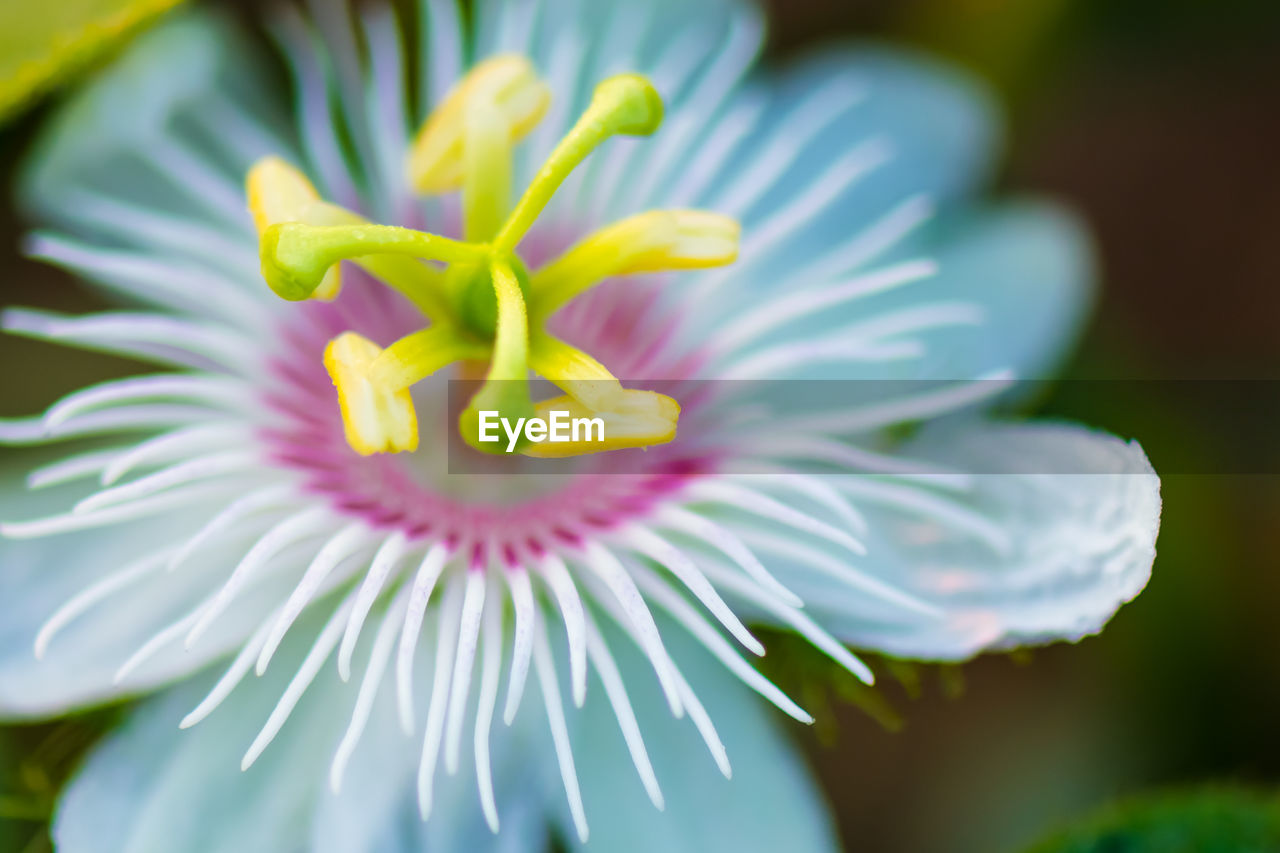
(631, 418)
(509, 85)
(634, 419)
(649, 242)
(278, 193)
(375, 418)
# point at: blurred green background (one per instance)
(1159, 120)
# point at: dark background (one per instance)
(1158, 120)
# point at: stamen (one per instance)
(574, 372)
(485, 307)
(631, 418)
(279, 193)
(509, 85)
(636, 419)
(376, 418)
(656, 241)
(415, 357)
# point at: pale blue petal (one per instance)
(1024, 271)
(770, 804)
(1079, 511)
(39, 576)
(941, 125)
(1029, 266)
(153, 787)
(937, 127)
(376, 808)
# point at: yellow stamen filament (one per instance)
(278, 194)
(648, 242)
(484, 308)
(416, 356)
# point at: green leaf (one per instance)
(1222, 819)
(41, 44)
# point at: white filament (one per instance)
(811, 487)
(464, 664)
(423, 583)
(198, 468)
(703, 529)
(663, 552)
(295, 528)
(384, 561)
(151, 336)
(805, 626)
(344, 544)
(680, 610)
(383, 642)
(491, 670)
(316, 656)
(233, 514)
(446, 641)
(793, 305)
(91, 595)
(763, 506)
(234, 674)
(173, 445)
(71, 521)
(794, 132)
(522, 644)
(697, 713)
(71, 468)
(638, 617)
(557, 576)
(616, 692)
(839, 570)
(550, 685)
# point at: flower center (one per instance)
(511, 509)
(483, 305)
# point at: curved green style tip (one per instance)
(636, 107)
(288, 272)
